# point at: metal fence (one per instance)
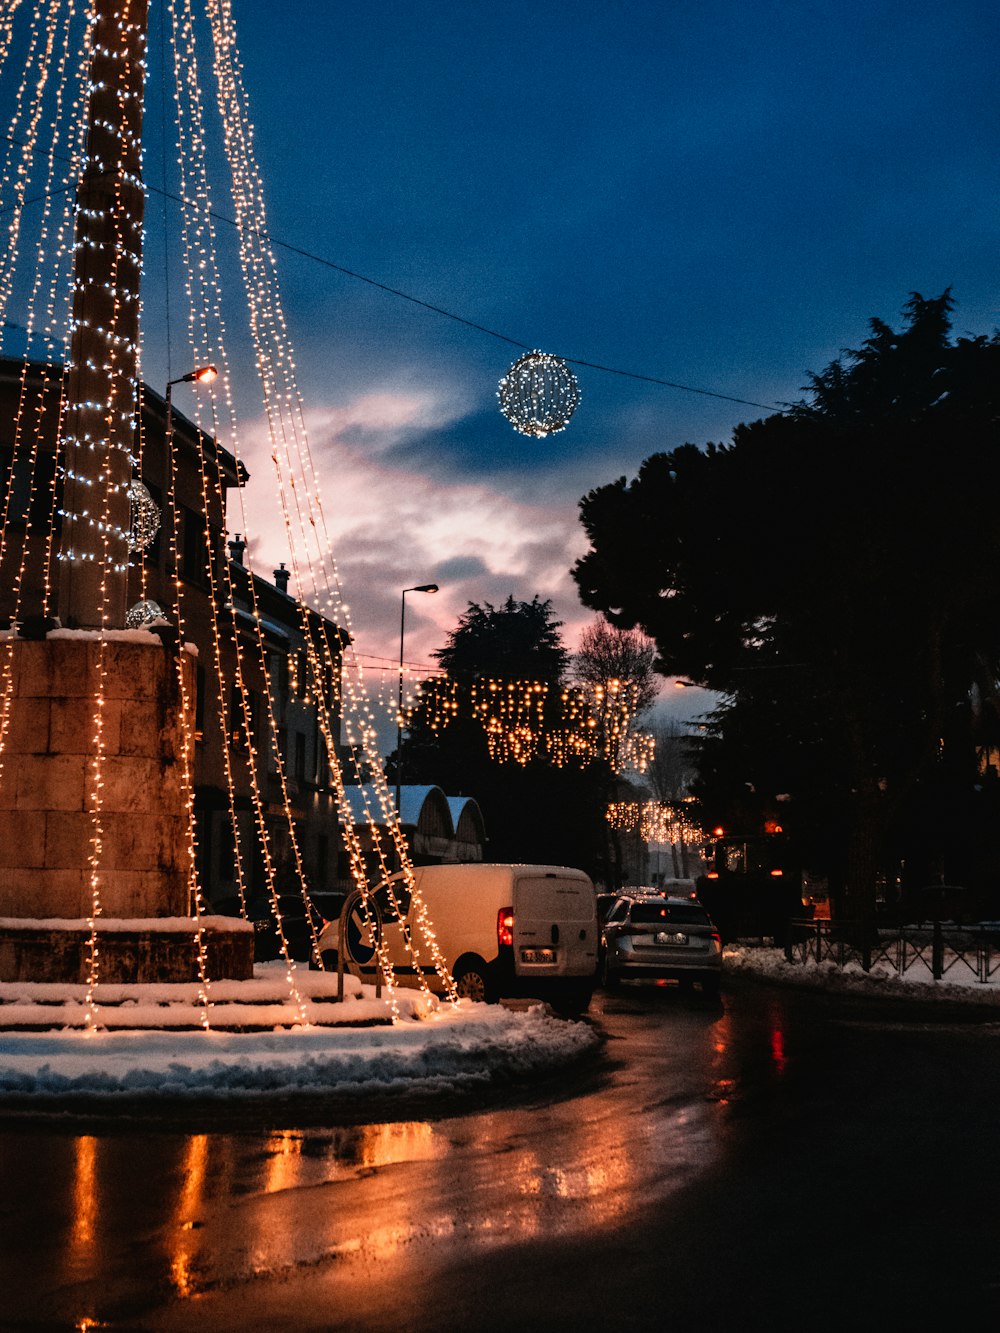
(941, 949)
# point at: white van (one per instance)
(502, 930)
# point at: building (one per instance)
(439, 829)
(261, 770)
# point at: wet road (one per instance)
(794, 1158)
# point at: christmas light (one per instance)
(539, 394)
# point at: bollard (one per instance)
(937, 952)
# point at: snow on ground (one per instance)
(959, 984)
(435, 1047)
(349, 1048)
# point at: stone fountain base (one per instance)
(101, 830)
(135, 951)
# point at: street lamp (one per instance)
(203, 375)
(419, 587)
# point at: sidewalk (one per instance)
(957, 986)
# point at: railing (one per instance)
(941, 949)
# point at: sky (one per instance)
(716, 194)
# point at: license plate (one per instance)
(538, 955)
(671, 937)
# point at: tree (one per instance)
(833, 573)
(609, 654)
(534, 811)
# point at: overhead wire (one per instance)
(461, 319)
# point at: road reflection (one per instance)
(194, 1214)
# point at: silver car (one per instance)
(652, 936)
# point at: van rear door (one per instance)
(555, 925)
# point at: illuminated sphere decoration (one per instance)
(143, 614)
(144, 522)
(539, 394)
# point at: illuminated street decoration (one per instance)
(655, 821)
(145, 517)
(77, 123)
(539, 394)
(144, 613)
(571, 724)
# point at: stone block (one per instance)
(72, 667)
(68, 839)
(22, 839)
(140, 731)
(140, 786)
(142, 956)
(27, 892)
(136, 671)
(32, 669)
(143, 893)
(49, 782)
(73, 726)
(28, 727)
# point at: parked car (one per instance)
(605, 902)
(650, 936)
(502, 930)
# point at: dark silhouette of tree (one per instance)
(833, 572)
(536, 811)
(608, 654)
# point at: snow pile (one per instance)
(266, 1001)
(443, 1049)
(916, 983)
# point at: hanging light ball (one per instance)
(143, 614)
(144, 519)
(539, 394)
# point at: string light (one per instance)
(539, 394)
(655, 821)
(144, 522)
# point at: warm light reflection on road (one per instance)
(186, 1216)
(227, 1208)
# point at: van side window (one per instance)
(402, 896)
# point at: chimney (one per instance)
(281, 579)
(236, 548)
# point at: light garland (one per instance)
(539, 394)
(143, 613)
(144, 522)
(572, 724)
(654, 821)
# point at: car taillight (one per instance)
(505, 925)
(712, 874)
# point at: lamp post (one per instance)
(203, 375)
(420, 587)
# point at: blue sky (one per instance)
(714, 193)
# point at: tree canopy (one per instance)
(833, 572)
(534, 811)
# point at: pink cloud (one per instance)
(391, 526)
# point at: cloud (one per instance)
(394, 522)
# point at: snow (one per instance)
(958, 985)
(351, 1048)
(150, 1043)
(185, 925)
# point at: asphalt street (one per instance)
(783, 1156)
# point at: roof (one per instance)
(413, 801)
